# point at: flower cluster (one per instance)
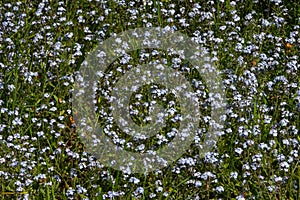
(255, 46)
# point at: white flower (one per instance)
(238, 150)
(11, 87)
(220, 189)
(17, 121)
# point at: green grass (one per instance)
(46, 143)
